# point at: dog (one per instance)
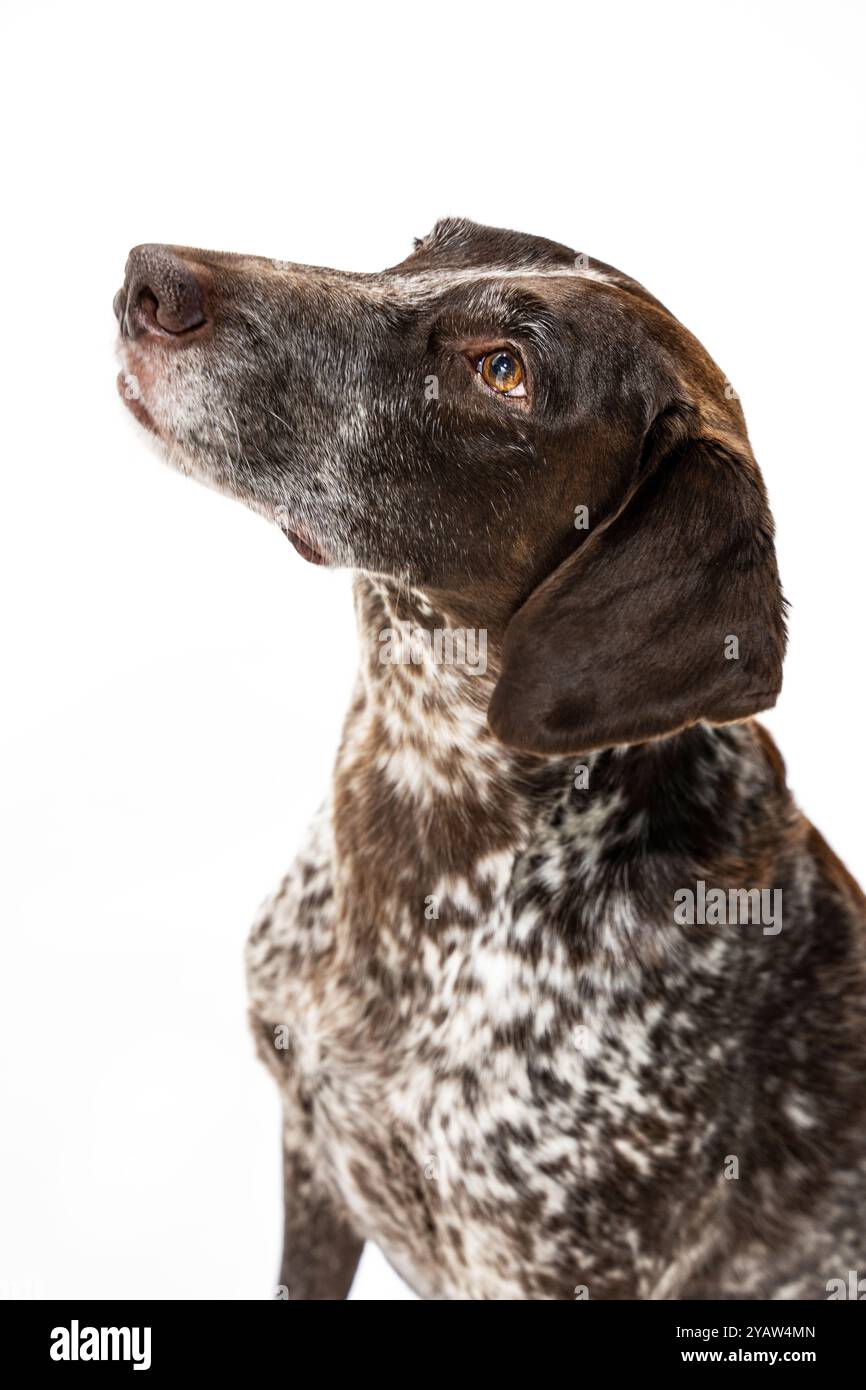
(564, 997)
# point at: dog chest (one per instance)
(477, 1124)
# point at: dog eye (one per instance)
(502, 371)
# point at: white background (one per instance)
(174, 674)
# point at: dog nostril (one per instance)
(162, 294)
(178, 309)
(147, 313)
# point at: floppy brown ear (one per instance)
(670, 613)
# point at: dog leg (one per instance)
(320, 1249)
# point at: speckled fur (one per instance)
(538, 1093)
(499, 1054)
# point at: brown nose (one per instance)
(160, 295)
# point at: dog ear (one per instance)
(671, 612)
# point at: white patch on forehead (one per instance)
(421, 283)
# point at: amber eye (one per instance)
(502, 371)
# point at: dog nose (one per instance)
(160, 294)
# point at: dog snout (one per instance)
(161, 295)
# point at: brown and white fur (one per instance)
(503, 1055)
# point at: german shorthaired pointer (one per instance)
(564, 996)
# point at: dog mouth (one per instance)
(130, 393)
(128, 390)
(304, 545)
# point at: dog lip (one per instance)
(304, 546)
(135, 403)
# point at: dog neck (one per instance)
(431, 808)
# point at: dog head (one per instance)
(516, 428)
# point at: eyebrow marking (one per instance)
(437, 278)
